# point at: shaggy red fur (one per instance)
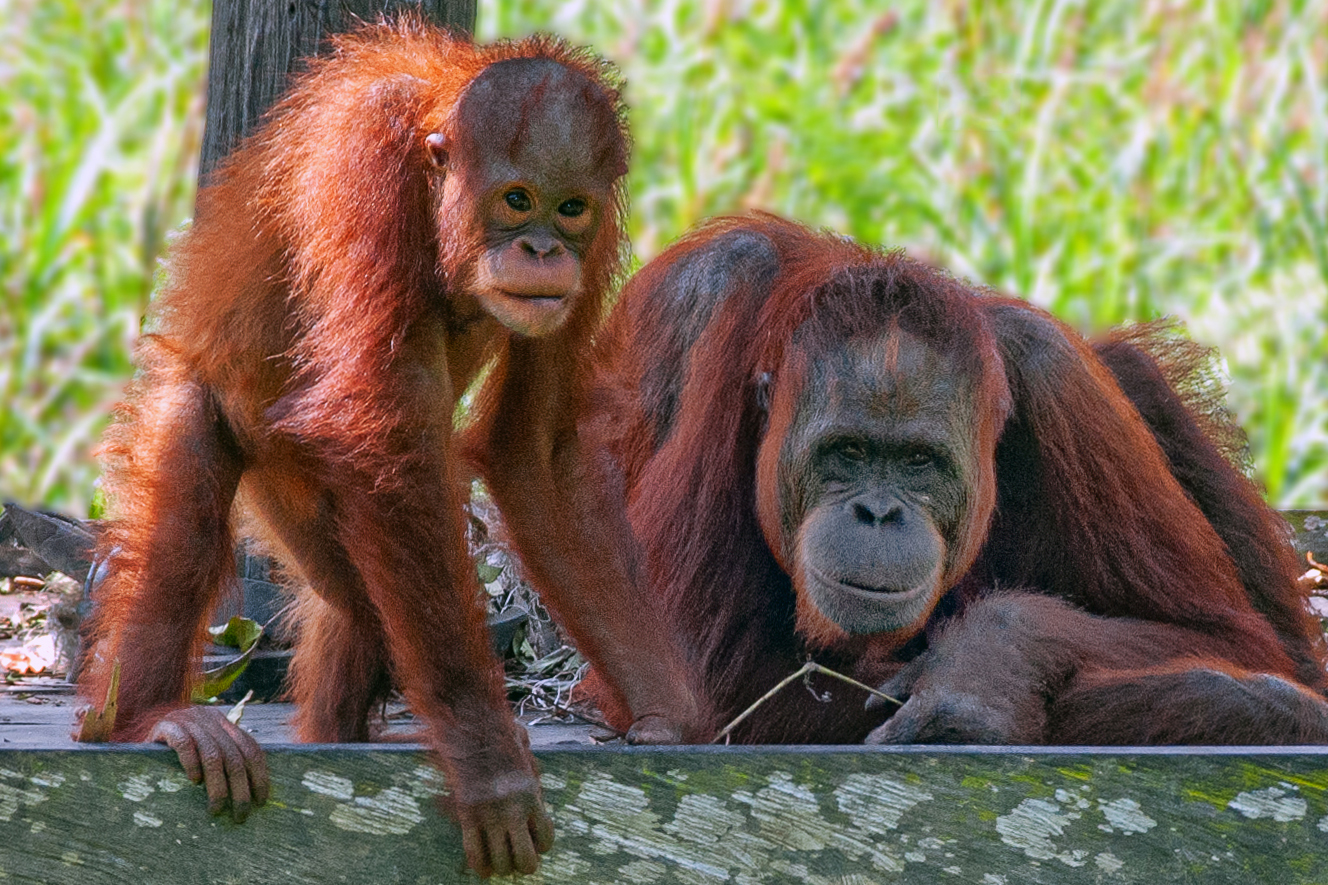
(416, 210)
(846, 455)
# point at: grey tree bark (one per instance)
(257, 44)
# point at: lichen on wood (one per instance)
(698, 815)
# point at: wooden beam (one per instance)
(702, 815)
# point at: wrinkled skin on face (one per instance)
(874, 477)
(534, 181)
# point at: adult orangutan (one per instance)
(416, 210)
(842, 454)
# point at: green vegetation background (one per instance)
(1108, 160)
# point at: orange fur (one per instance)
(309, 347)
(1107, 551)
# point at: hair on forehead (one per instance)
(551, 90)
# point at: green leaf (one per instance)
(97, 507)
(97, 725)
(241, 633)
(218, 680)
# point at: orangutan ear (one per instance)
(435, 144)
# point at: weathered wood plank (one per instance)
(74, 814)
(709, 815)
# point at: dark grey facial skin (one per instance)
(873, 482)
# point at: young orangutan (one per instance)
(417, 209)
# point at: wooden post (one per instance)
(257, 44)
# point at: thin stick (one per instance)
(805, 670)
(562, 710)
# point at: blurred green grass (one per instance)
(100, 118)
(1110, 161)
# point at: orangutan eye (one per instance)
(852, 450)
(572, 208)
(918, 458)
(518, 200)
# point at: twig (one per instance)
(805, 670)
(567, 711)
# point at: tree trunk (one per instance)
(257, 44)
